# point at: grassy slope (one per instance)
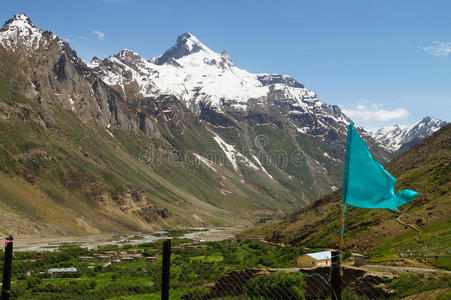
(425, 168)
(291, 158)
(72, 164)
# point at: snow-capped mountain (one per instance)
(192, 72)
(262, 141)
(403, 137)
(202, 78)
(20, 31)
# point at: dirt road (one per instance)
(403, 269)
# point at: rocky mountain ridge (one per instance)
(403, 137)
(201, 77)
(216, 90)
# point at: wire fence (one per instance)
(75, 273)
(213, 270)
(438, 249)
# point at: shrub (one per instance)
(346, 255)
(411, 284)
(197, 293)
(349, 294)
(446, 296)
(285, 286)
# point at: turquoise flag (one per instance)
(366, 183)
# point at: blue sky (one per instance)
(384, 62)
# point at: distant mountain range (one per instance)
(184, 138)
(401, 138)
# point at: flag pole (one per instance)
(344, 193)
(345, 186)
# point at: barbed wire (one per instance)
(437, 249)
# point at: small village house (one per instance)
(316, 259)
(104, 257)
(86, 258)
(127, 259)
(135, 251)
(359, 260)
(62, 272)
(151, 259)
(189, 246)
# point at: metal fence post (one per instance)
(335, 281)
(7, 268)
(166, 269)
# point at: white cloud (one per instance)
(100, 35)
(81, 37)
(437, 49)
(378, 115)
(372, 112)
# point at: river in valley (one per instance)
(92, 242)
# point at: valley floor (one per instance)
(94, 241)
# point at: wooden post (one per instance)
(342, 232)
(342, 219)
(7, 268)
(335, 280)
(166, 270)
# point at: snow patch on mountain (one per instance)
(261, 166)
(200, 75)
(20, 30)
(395, 136)
(194, 73)
(205, 161)
(232, 154)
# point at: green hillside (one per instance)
(59, 175)
(383, 233)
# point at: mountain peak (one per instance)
(130, 58)
(186, 44)
(126, 53)
(428, 119)
(397, 137)
(189, 42)
(21, 20)
(20, 31)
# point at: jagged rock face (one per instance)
(52, 70)
(54, 74)
(268, 79)
(134, 203)
(19, 33)
(186, 44)
(401, 138)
